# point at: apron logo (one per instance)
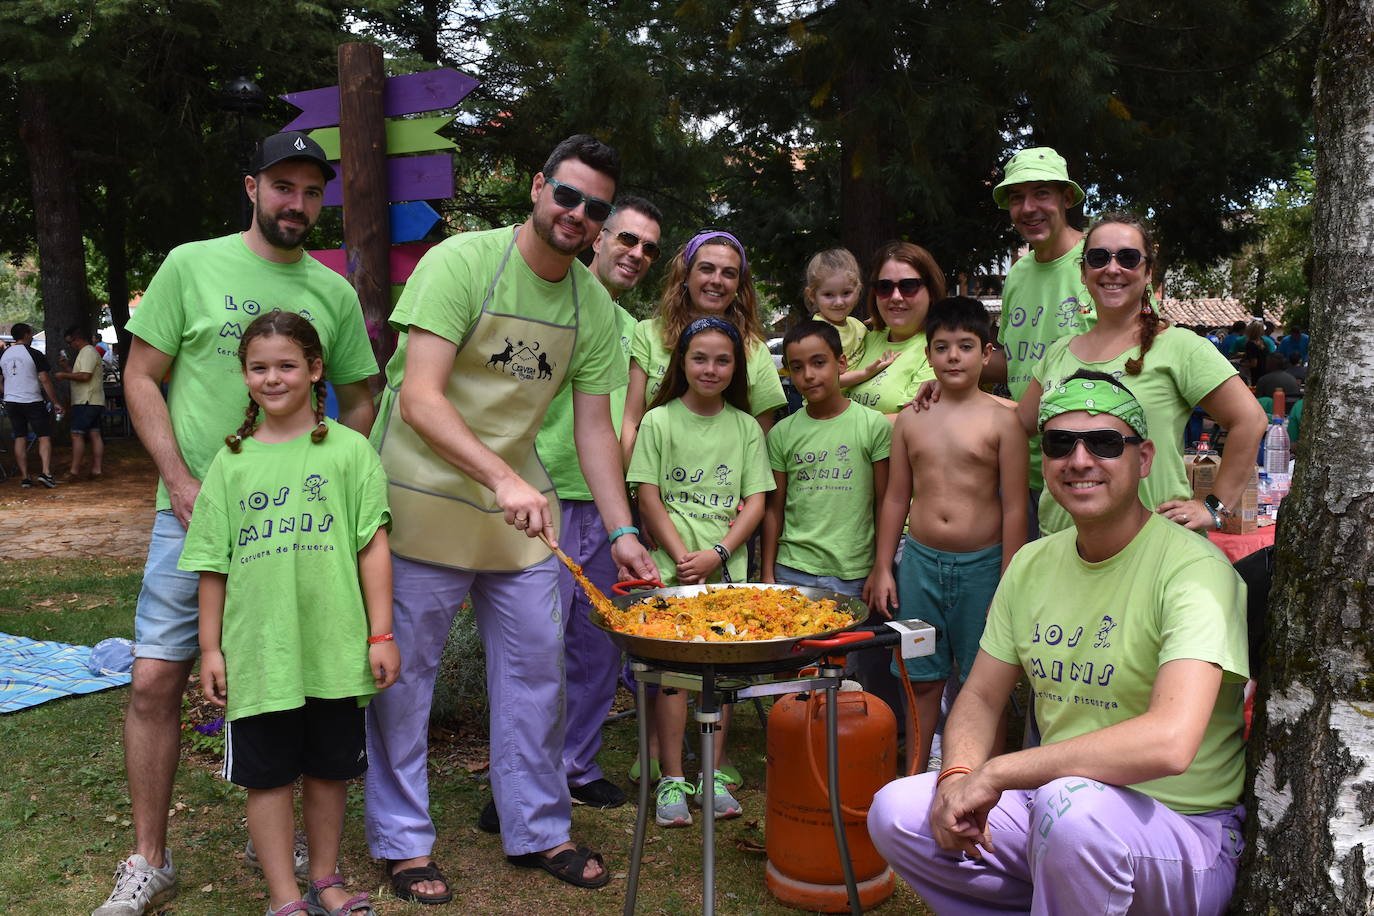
(522, 361)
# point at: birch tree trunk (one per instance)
(1311, 800)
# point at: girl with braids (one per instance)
(709, 277)
(289, 538)
(1170, 370)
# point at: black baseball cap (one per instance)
(292, 145)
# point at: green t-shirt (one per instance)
(285, 522)
(91, 391)
(647, 349)
(445, 294)
(195, 310)
(852, 334)
(890, 390)
(827, 527)
(555, 445)
(1180, 370)
(1042, 301)
(704, 467)
(1092, 637)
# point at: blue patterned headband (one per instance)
(707, 324)
(701, 238)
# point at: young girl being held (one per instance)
(833, 287)
(289, 538)
(700, 464)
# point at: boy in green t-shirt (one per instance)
(964, 459)
(829, 462)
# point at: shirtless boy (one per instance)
(949, 464)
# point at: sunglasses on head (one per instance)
(1104, 443)
(630, 240)
(568, 197)
(1098, 258)
(907, 286)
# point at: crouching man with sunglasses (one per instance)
(1132, 633)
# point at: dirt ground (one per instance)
(109, 517)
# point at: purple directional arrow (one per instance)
(407, 178)
(427, 91)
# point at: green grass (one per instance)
(64, 810)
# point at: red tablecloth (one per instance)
(1236, 546)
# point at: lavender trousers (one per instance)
(1073, 846)
(593, 661)
(520, 623)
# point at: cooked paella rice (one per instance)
(730, 614)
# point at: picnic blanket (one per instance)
(33, 672)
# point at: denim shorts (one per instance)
(167, 621)
(86, 417)
(786, 575)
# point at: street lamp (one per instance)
(242, 96)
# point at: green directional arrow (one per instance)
(413, 135)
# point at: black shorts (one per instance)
(325, 739)
(86, 417)
(24, 416)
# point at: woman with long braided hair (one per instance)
(1169, 370)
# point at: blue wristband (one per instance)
(623, 529)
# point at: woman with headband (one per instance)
(709, 277)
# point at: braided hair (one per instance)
(301, 332)
(1150, 321)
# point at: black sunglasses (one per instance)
(907, 286)
(1098, 258)
(568, 197)
(630, 240)
(1104, 443)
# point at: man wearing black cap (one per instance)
(188, 325)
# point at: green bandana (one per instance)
(1094, 397)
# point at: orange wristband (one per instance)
(385, 637)
(952, 771)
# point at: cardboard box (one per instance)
(1202, 474)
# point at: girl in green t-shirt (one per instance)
(709, 276)
(702, 473)
(290, 542)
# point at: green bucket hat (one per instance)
(1039, 163)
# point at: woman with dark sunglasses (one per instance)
(1170, 371)
(904, 281)
(709, 277)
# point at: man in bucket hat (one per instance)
(188, 326)
(1132, 634)
(1043, 298)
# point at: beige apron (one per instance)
(505, 373)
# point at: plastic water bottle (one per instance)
(1276, 448)
(1204, 445)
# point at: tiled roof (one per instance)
(1211, 312)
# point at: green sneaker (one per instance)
(672, 810)
(724, 804)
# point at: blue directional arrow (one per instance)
(411, 221)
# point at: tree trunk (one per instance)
(61, 258)
(1311, 799)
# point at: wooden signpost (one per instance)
(382, 189)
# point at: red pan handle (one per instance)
(834, 642)
(629, 585)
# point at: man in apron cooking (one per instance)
(492, 325)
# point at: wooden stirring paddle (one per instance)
(599, 600)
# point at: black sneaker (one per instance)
(489, 821)
(599, 793)
(26, 483)
(47, 481)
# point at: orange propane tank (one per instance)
(804, 869)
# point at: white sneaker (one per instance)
(671, 809)
(300, 856)
(139, 886)
(724, 804)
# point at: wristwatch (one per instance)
(1218, 509)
